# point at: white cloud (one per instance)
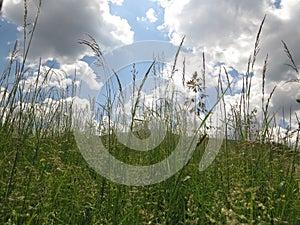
(226, 32)
(162, 3)
(62, 23)
(4, 94)
(44, 78)
(142, 19)
(83, 72)
(117, 2)
(150, 14)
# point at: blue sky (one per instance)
(143, 30)
(7, 39)
(225, 30)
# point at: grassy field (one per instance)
(48, 182)
(45, 180)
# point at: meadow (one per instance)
(44, 179)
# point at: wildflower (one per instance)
(42, 160)
(283, 196)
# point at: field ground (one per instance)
(248, 183)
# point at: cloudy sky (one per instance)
(224, 29)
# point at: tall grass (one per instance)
(45, 180)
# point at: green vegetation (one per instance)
(45, 180)
(247, 183)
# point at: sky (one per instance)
(225, 30)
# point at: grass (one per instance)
(45, 180)
(254, 183)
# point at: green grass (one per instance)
(247, 183)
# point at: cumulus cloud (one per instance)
(219, 26)
(117, 2)
(84, 72)
(226, 32)
(62, 23)
(150, 16)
